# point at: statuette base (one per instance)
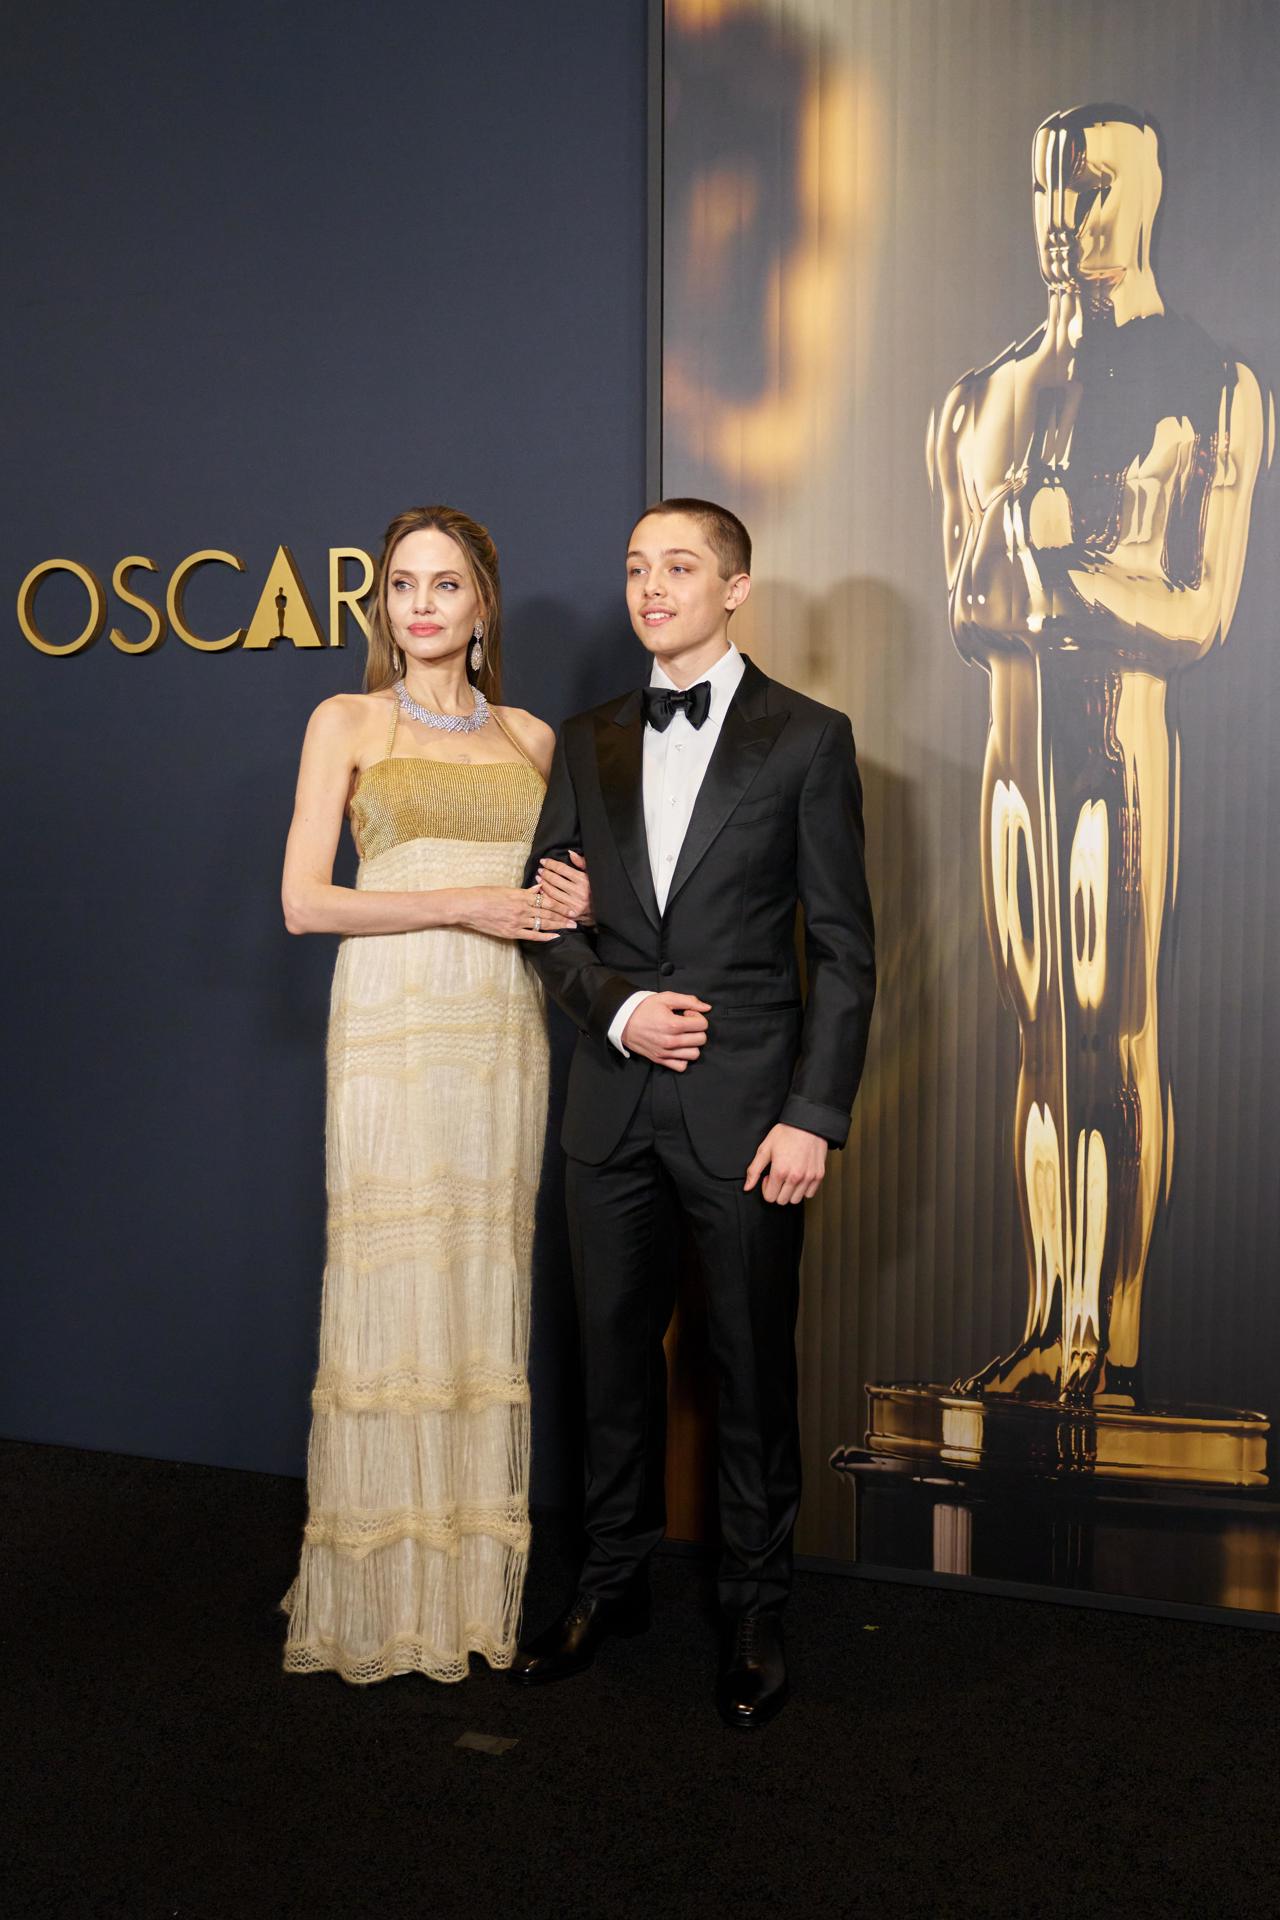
(1197, 1446)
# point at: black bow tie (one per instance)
(662, 704)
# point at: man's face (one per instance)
(676, 595)
(1096, 187)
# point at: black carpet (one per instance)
(969, 1756)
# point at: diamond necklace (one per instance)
(445, 722)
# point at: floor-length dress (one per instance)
(417, 1533)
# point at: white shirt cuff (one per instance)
(618, 1024)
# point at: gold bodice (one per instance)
(412, 797)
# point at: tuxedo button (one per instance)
(667, 968)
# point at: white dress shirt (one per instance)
(674, 764)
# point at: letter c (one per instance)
(97, 607)
(177, 590)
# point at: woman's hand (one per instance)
(510, 913)
(567, 889)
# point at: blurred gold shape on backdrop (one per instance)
(1095, 485)
(762, 241)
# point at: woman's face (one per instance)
(432, 604)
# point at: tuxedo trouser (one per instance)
(625, 1274)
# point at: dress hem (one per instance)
(404, 1653)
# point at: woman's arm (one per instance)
(312, 904)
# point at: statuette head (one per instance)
(1096, 186)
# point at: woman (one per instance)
(417, 1533)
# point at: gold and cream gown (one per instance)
(417, 1534)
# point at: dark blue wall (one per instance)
(276, 272)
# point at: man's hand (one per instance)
(668, 1028)
(796, 1162)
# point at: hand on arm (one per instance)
(337, 737)
(588, 990)
(509, 913)
(567, 888)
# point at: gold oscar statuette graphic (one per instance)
(283, 589)
(1095, 485)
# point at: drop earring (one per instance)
(477, 648)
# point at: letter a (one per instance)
(284, 610)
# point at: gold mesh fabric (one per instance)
(407, 798)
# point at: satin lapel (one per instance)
(620, 758)
(746, 737)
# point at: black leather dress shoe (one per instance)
(752, 1685)
(571, 1643)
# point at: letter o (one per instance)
(97, 607)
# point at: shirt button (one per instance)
(671, 859)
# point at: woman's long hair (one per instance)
(385, 662)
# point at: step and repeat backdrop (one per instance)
(280, 270)
(973, 312)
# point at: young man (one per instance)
(707, 806)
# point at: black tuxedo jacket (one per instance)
(777, 824)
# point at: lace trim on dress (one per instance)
(434, 1235)
(363, 1043)
(403, 1653)
(406, 1389)
(359, 1534)
(400, 1653)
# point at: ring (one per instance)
(537, 923)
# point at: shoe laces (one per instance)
(747, 1637)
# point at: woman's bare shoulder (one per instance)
(349, 724)
(534, 735)
(346, 713)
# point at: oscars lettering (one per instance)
(283, 587)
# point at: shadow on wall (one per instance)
(864, 649)
(884, 1265)
(940, 1246)
(838, 646)
(875, 1234)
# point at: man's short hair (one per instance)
(725, 534)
